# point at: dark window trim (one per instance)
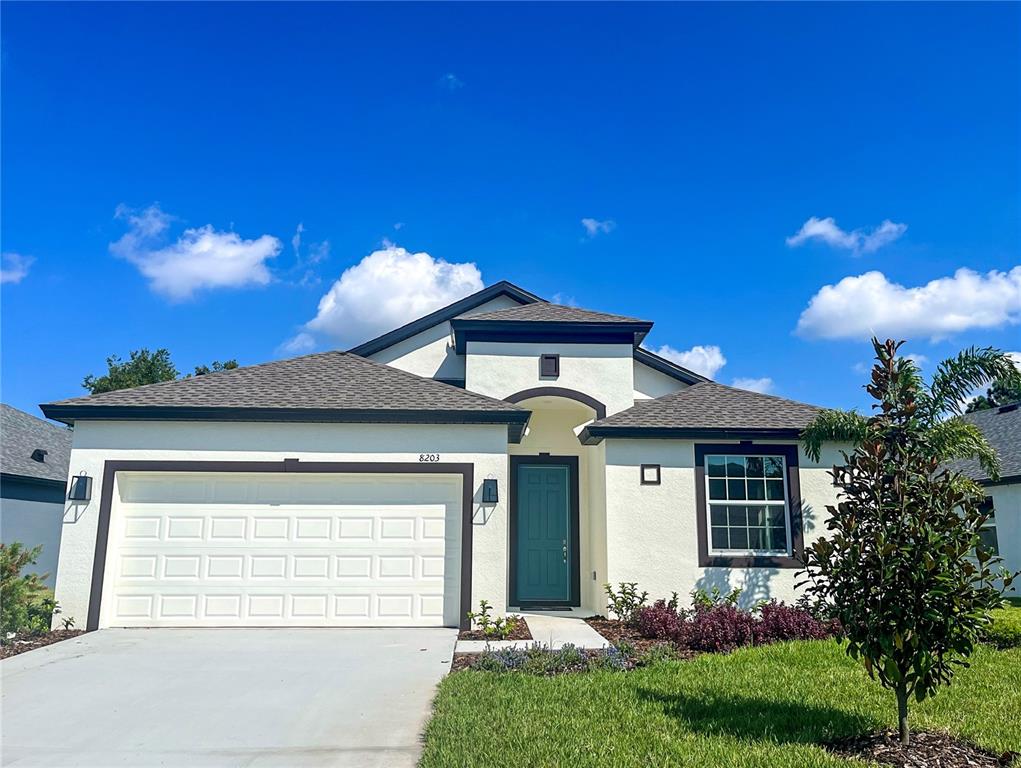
(659, 474)
(549, 366)
(570, 394)
(571, 462)
(503, 288)
(111, 468)
(790, 454)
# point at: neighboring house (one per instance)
(502, 448)
(33, 475)
(1002, 428)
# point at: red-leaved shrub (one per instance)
(778, 622)
(660, 622)
(720, 628)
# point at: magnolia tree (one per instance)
(902, 566)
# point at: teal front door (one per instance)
(544, 538)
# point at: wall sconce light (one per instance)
(490, 494)
(81, 488)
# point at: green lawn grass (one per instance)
(767, 706)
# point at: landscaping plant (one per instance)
(498, 628)
(902, 566)
(25, 607)
(626, 601)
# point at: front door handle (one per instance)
(565, 551)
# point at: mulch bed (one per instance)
(521, 632)
(14, 647)
(616, 631)
(927, 750)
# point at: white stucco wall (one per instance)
(430, 353)
(651, 535)
(650, 383)
(1007, 504)
(602, 371)
(98, 441)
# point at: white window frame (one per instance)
(709, 502)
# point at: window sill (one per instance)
(745, 560)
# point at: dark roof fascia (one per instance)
(516, 419)
(503, 288)
(664, 366)
(593, 435)
(1009, 480)
(26, 488)
(569, 332)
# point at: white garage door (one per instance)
(295, 549)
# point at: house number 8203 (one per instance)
(428, 457)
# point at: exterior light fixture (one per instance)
(81, 488)
(490, 493)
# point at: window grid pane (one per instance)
(735, 524)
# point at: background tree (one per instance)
(215, 367)
(1000, 393)
(145, 367)
(902, 565)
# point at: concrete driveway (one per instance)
(223, 697)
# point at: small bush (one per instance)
(611, 659)
(1005, 630)
(720, 629)
(625, 602)
(25, 608)
(656, 654)
(779, 621)
(660, 621)
(701, 598)
(498, 628)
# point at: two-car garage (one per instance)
(283, 548)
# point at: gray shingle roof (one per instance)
(708, 407)
(1002, 428)
(324, 383)
(545, 312)
(21, 434)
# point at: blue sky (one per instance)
(158, 160)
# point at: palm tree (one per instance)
(941, 402)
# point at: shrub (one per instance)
(656, 654)
(720, 629)
(778, 622)
(498, 628)
(610, 659)
(1005, 629)
(660, 621)
(625, 602)
(701, 598)
(24, 606)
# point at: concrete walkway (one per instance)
(223, 697)
(553, 630)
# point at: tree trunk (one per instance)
(902, 715)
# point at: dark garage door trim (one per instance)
(111, 468)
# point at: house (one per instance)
(33, 474)
(501, 448)
(1002, 428)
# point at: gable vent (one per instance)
(39, 455)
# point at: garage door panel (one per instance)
(252, 550)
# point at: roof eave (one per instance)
(532, 330)
(667, 367)
(502, 288)
(515, 418)
(593, 434)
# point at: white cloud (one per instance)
(917, 359)
(763, 385)
(565, 299)
(857, 241)
(201, 258)
(595, 227)
(299, 344)
(704, 360)
(14, 267)
(296, 240)
(450, 82)
(858, 307)
(387, 289)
